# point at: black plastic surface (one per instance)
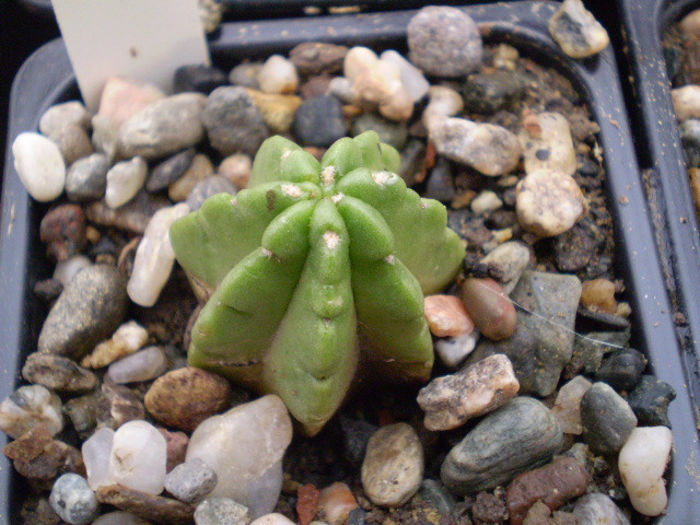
(46, 78)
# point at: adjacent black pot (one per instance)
(46, 78)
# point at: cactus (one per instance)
(313, 267)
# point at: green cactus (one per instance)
(312, 266)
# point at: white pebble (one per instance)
(357, 60)
(642, 462)
(273, 519)
(443, 102)
(154, 257)
(412, 78)
(138, 457)
(124, 180)
(567, 406)
(686, 102)
(118, 518)
(485, 202)
(67, 269)
(141, 366)
(40, 166)
(453, 350)
(547, 143)
(95, 451)
(28, 407)
(278, 75)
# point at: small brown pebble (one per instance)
(58, 373)
(63, 231)
(312, 58)
(447, 316)
(488, 509)
(540, 514)
(489, 307)
(30, 444)
(335, 504)
(133, 216)
(176, 443)
(124, 405)
(598, 295)
(237, 168)
(55, 459)
(153, 508)
(307, 503)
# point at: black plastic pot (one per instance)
(46, 78)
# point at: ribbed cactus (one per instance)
(313, 266)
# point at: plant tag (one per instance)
(146, 40)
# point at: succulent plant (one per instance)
(314, 267)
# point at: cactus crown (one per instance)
(307, 262)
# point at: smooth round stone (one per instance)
(208, 187)
(486, 202)
(170, 170)
(278, 75)
(577, 31)
(649, 401)
(549, 203)
(393, 453)
(245, 75)
(198, 78)
(622, 369)
(511, 258)
(218, 511)
(489, 307)
(314, 58)
(444, 42)
(237, 168)
(191, 481)
(142, 366)
(453, 350)
(138, 457)
(124, 180)
(57, 373)
(40, 166)
(686, 102)
(690, 137)
(163, 127)
(642, 462)
(74, 143)
(519, 436)
(95, 451)
(567, 406)
(60, 116)
(73, 500)
(87, 178)
(392, 133)
(412, 78)
(547, 144)
(358, 60)
(319, 121)
(447, 316)
(336, 502)
(434, 493)
(607, 419)
(28, 407)
(598, 509)
(67, 269)
(599, 295)
(489, 92)
(233, 122)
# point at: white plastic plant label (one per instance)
(145, 40)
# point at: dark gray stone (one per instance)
(73, 500)
(412, 161)
(649, 401)
(690, 137)
(543, 341)
(356, 434)
(590, 350)
(440, 184)
(597, 508)
(607, 419)
(434, 493)
(207, 187)
(392, 133)
(168, 171)
(319, 121)
(199, 78)
(233, 121)
(622, 369)
(89, 310)
(86, 179)
(519, 436)
(489, 92)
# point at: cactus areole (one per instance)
(312, 267)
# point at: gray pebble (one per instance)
(511, 258)
(607, 419)
(649, 401)
(622, 369)
(219, 511)
(170, 170)
(87, 178)
(133, 216)
(392, 133)
(233, 121)
(59, 116)
(74, 143)
(356, 434)
(58, 373)
(319, 121)
(73, 500)
(444, 41)
(435, 493)
(440, 185)
(245, 75)
(191, 481)
(519, 436)
(489, 92)
(412, 161)
(206, 188)
(90, 308)
(596, 509)
(589, 351)
(198, 78)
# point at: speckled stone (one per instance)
(489, 92)
(58, 373)
(73, 500)
(87, 178)
(607, 419)
(650, 399)
(153, 508)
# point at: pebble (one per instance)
(642, 463)
(490, 309)
(341, 88)
(30, 444)
(88, 310)
(649, 401)
(443, 102)
(245, 75)
(553, 485)
(191, 481)
(105, 137)
(519, 436)
(199, 169)
(249, 468)
(95, 451)
(154, 257)
(622, 369)
(447, 316)
(63, 231)
(74, 143)
(511, 258)
(412, 78)
(435, 494)
(40, 166)
(690, 25)
(176, 443)
(124, 180)
(73, 500)
(60, 116)
(198, 78)
(486, 202)
(121, 99)
(185, 397)
(169, 170)
(272, 519)
(87, 178)
(137, 458)
(540, 514)
(686, 102)
(318, 86)
(590, 351)
(237, 168)
(440, 184)
(83, 411)
(574, 248)
(152, 508)
(314, 58)
(607, 419)
(490, 91)
(392, 470)
(505, 57)
(450, 401)
(413, 158)
(28, 407)
(392, 133)
(490, 149)
(278, 75)
(356, 434)
(211, 13)
(233, 121)
(567, 406)
(453, 350)
(335, 503)
(57, 373)
(357, 60)
(143, 365)
(444, 42)
(132, 217)
(690, 138)
(599, 295)
(549, 203)
(598, 509)
(277, 110)
(119, 517)
(319, 121)
(547, 144)
(206, 188)
(55, 459)
(124, 405)
(577, 31)
(126, 340)
(221, 511)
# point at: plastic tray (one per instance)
(46, 78)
